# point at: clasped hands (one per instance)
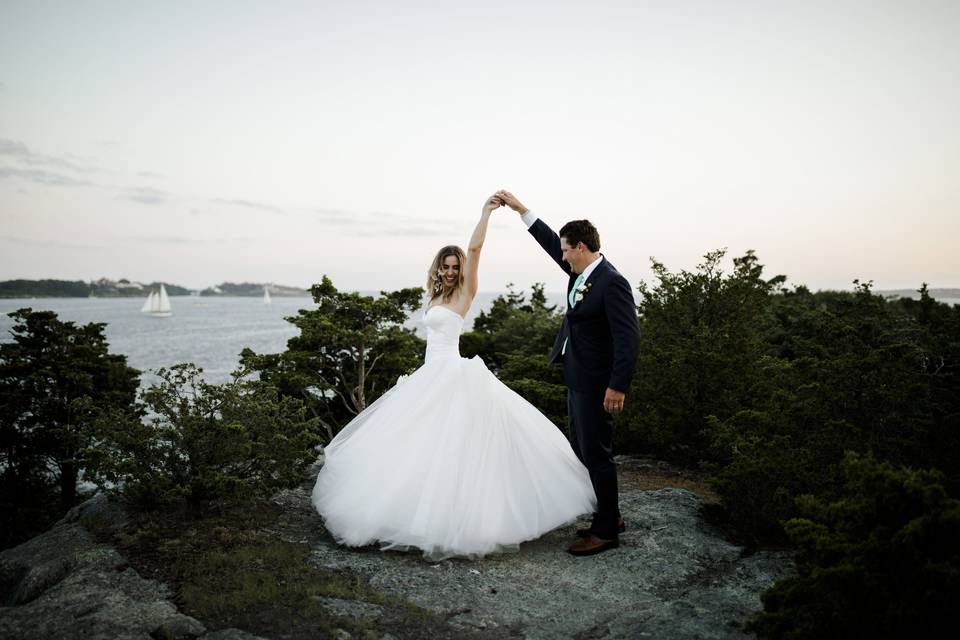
(612, 400)
(503, 198)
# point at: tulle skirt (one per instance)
(452, 462)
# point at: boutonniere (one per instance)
(582, 290)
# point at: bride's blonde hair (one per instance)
(434, 277)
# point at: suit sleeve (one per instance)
(550, 242)
(625, 329)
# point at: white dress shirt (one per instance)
(590, 267)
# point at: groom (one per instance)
(598, 346)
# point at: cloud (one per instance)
(151, 196)
(51, 244)
(21, 153)
(383, 223)
(333, 216)
(249, 204)
(405, 231)
(375, 224)
(236, 240)
(13, 148)
(188, 240)
(160, 239)
(148, 195)
(40, 176)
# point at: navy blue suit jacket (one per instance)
(602, 330)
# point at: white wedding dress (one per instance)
(450, 461)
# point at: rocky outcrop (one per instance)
(63, 585)
(673, 577)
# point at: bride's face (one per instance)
(450, 271)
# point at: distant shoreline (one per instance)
(941, 292)
(144, 296)
(124, 288)
(305, 294)
(288, 292)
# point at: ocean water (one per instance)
(210, 332)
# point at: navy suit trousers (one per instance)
(590, 430)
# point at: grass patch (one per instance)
(650, 480)
(97, 524)
(227, 572)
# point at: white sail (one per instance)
(266, 295)
(163, 301)
(157, 304)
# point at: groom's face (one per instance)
(573, 255)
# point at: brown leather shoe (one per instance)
(586, 533)
(592, 545)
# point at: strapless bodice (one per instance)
(444, 326)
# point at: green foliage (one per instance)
(350, 350)
(204, 442)
(936, 404)
(860, 355)
(769, 387)
(882, 562)
(55, 380)
(701, 354)
(514, 339)
(513, 326)
(844, 372)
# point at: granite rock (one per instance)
(673, 576)
(63, 584)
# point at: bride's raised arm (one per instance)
(470, 280)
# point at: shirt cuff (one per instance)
(529, 218)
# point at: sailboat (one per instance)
(266, 295)
(157, 304)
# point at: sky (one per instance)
(201, 142)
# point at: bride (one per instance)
(450, 460)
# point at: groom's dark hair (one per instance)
(581, 231)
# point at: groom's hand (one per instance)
(613, 401)
(511, 201)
